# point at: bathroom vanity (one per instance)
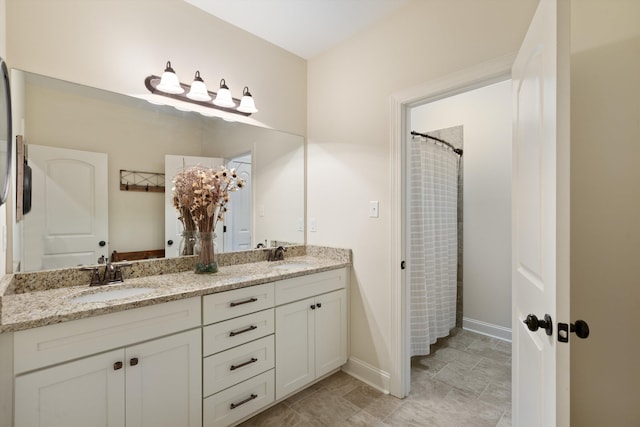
(172, 349)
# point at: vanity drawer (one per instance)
(238, 302)
(233, 366)
(298, 288)
(239, 401)
(231, 333)
(52, 344)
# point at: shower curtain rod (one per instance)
(424, 135)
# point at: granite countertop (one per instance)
(24, 310)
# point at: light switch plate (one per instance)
(374, 207)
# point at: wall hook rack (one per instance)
(151, 182)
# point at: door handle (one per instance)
(533, 323)
(580, 328)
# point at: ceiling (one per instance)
(303, 27)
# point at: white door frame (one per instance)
(465, 80)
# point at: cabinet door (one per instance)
(87, 392)
(331, 331)
(164, 382)
(295, 348)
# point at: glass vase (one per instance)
(187, 243)
(207, 261)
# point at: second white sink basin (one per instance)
(290, 265)
(110, 294)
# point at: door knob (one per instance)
(533, 323)
(580, 328)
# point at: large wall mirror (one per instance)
(130, 134)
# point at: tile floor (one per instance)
(465, 381)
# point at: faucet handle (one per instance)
(95, 276)
(117, 272)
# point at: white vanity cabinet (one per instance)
(238, 353)
(112, 370)
(208, 361)
(311, 328)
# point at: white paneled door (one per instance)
(68, 221)
(540, 219)
(238, 221)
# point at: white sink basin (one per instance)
(110, 294)
(290, 265)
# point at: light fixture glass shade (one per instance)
(247, 105)
(198, 91)
(169, 82)
(223, 97)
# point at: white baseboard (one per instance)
(368, 374)
(485, 328)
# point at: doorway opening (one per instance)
(466, 81)
(477, 214)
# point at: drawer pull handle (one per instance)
(133, 361)
(250, 328)
(248, 362)
(253, 299)
(117, 365)
(248, 399)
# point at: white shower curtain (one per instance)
(433, 252)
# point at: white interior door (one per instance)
(540, 250)
(172, 225)
(238, 219)
(68, 222)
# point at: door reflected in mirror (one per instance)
(135, 135)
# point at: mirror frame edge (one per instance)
(4, 190)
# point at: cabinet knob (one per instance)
(133, 361)
(117, 365)
(313, 306)
(319, 305)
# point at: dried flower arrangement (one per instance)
(201, 195)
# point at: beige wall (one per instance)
(349, 91)
(605, 211)
(115, 44)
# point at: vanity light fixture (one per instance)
(223, 98)
(246, 103)
(170, 86)
(198, 91)
(169, 82)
